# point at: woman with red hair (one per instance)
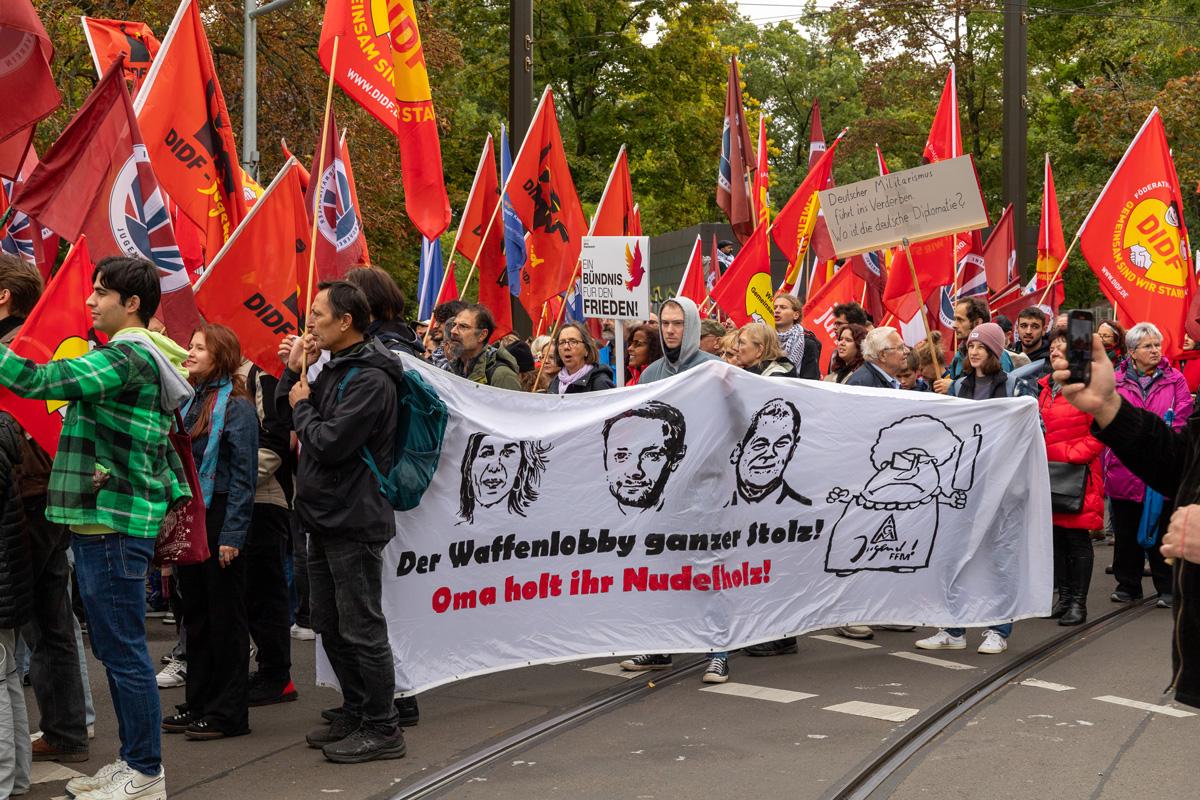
(224, 429)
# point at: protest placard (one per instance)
(709, 511)
(916, 204)
(614, 271)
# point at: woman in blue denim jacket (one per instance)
(224, 430)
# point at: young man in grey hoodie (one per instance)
(679, 327)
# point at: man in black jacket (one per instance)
(16, 608)
(350, 405)
(884, 354)
(1169, 463)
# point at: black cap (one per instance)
(523, 355)
(724, 243)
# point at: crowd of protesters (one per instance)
(297, 526)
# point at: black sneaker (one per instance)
(779, 647)
(718, 670)
(366, 745)
(263, 693)
(178, 723)
(406, 707)
(1165, 601)
(1122, 596)
(337, 730)
(646, 662)
(333, 714)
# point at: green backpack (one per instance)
(420, 427)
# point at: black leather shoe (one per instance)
(1062, 604)
(406, 707)
(779, 647)
(1075, 614)
(366, 745)
(178, 723)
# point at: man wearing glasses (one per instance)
(466, 344)
(885, 354)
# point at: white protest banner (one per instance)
(916, 204)
(706, 512)
(613, 277)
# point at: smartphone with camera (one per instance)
(1080, 327)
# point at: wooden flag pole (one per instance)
(312, 241)
(558, 320)
(1061, 266)
(937, 362)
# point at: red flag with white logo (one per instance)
(339, 229)
(27, 91)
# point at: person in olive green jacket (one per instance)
(466, 344)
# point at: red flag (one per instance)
(615, 212)
(25, 236)
(744, 292)
(794, 223)
(57, 328)
(691, 285)
(883, 167)
(845, 287)
(737, 156)
(449, 289)
(13, 152)
(713, 271)
(1000, 253)
(378, 40)
(97, 180)
(493, 269)
(1135, 240)
(364, 256)
(182, 113)
(110, 39)
(339, 230)
(304, 176)
(762, 181)
(251, 285)
(816, 135)
(869, 267)
(543, 196)
(190, 239)
(945, 138)
(636, 228)
(27, 91)
(1052, 250)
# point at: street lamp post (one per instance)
(252, 11)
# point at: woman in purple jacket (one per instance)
(1146, 380)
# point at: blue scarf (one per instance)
(1152, 505)
(208, 464)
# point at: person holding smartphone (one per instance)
(1168, 460)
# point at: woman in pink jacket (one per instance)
(1069, 441)
(1146, 380)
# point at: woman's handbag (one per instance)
(183, 538)
(1068, 485)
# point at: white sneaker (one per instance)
(129, 784)
(173, 675)
(77, 786)
(303, 634)
(942, 641)
(993, 643)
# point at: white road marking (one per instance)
(937, 662)
(758, 692)
(613, 670)
(874, 710)
(1169, 711)
(1054, 687)
(48, 772)
(824, 637)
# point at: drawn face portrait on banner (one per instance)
(500, 473)
(642, 447)
(763, 454)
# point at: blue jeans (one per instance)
(111, 570)
(1004, 630)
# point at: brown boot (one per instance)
(44, 751)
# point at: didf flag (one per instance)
(744, 292)
(514, 232)
(58, 327)
(735, 168)
(794, 223)
(487, 256)
(96, 179)
(111, 39)
(1135, 240)
(543, 195)
(691, 285)
(381, 66)
(339, 229)
(972, 276)
(1000, 253)
(1052, 249)
(181, 111)
(27, 91)
(251, 285)
(844, 287)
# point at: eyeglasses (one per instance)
(569, 343)
(458, 326)
(1149, 346)
(901, 347)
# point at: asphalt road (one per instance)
(788, 726)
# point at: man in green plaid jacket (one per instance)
(115, 476)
